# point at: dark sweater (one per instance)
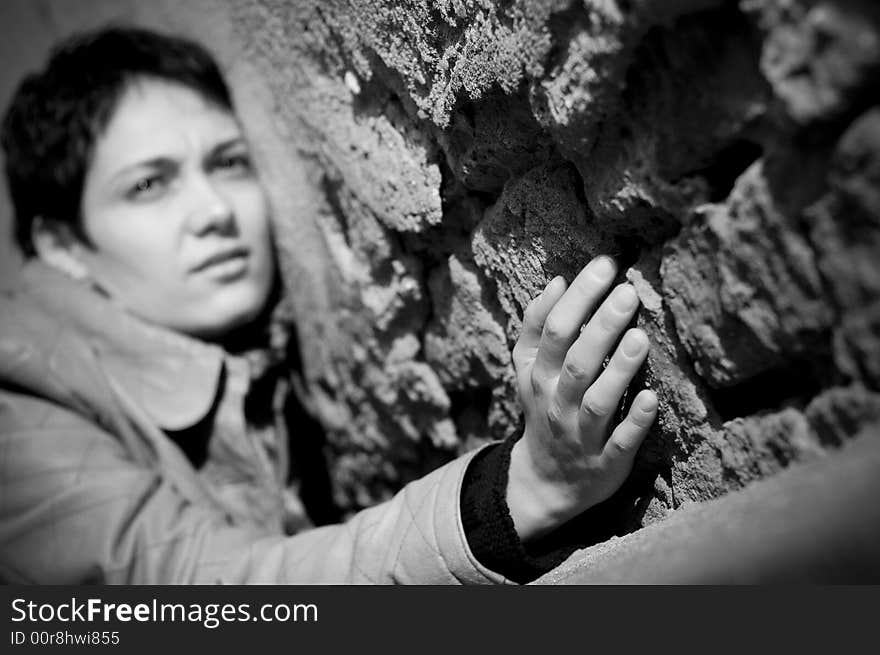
(489, 527)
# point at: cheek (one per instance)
(253, 218)
(136, 250)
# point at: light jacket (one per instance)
(93, 490)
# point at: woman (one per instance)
(131, 448)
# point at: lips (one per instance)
(220, 257)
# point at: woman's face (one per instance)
(176, 214)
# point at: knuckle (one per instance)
(554, 330)
(620, 449)
(641, 420)
(574, 370)
(537, 384)
(530, 313)
(607, 321)
(594, 406)
(584, 287)
(556, 418)
(621, 365)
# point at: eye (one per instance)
(236, 164)
(146, 187)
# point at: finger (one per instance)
(533, 321)
(603, 397)
(583, 361)
(564, 322)
(629, 435)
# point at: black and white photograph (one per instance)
(436, 292)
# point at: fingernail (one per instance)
(603, 267)
(625, 298)
(648, 403)
(551, 284)
(633, 344)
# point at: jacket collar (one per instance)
(173, 377)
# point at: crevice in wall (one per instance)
(330, 189)
(332, 55)
(793, 383)
(691, 120)
(726, 166)
(491, 140)
(469, 410)
(628, 251)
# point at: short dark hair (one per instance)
(55, 116)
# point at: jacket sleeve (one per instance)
(74, 508)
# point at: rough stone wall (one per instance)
(468, 151)
(434, 163)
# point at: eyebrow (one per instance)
(226, 145)
(166, 163)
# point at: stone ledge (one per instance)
(813, 523)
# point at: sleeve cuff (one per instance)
(489, 528)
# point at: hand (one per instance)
(566, 462)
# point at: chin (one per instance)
(235, 309)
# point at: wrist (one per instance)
(537, 505)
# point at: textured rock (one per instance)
(758, 298)
(846, 233)
(538, 229)
(434, 163)
(822, 58)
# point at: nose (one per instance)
(210, 210)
